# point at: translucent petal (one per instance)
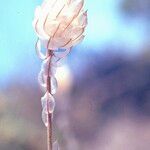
(70, 14)
(39, 27)
(76, 32)
(81, 20)
(76, 7)
(51, 103)
(54, 61)
(36, 16)
(61, 53)
(73, 32)
(47, 3)
(50, 27)
(37, 11)
(51, 107)
(65, 19)
(41, 21)
(58, 41)
(78, 40)
(55, 146)
(39, 50)
(60, 62)
(57, 62)
(54, 85)
(59, 5)
(45, 117)
(52, 71)
(48, 103)
(43, 102)
(35, 24)
(54, 7)
(42, 79)
(75, 41)
(45, 65)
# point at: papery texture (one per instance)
(60, 23)
(48, 102)
(48, 106)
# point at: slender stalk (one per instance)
(49, 132)
(49, 127)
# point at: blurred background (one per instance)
(103, 99)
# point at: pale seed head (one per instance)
(60, 23)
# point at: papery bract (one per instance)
(42, 79)
(54, 85)
(48, 102)
(48, 106)
(45, 65)
(60, 23)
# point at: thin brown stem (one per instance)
(49, 132)
(49, 116)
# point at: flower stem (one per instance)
(49, 127)
(49, 132)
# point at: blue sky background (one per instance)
(17, 38)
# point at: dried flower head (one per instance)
(60, 23)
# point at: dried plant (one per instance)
(59, 25)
